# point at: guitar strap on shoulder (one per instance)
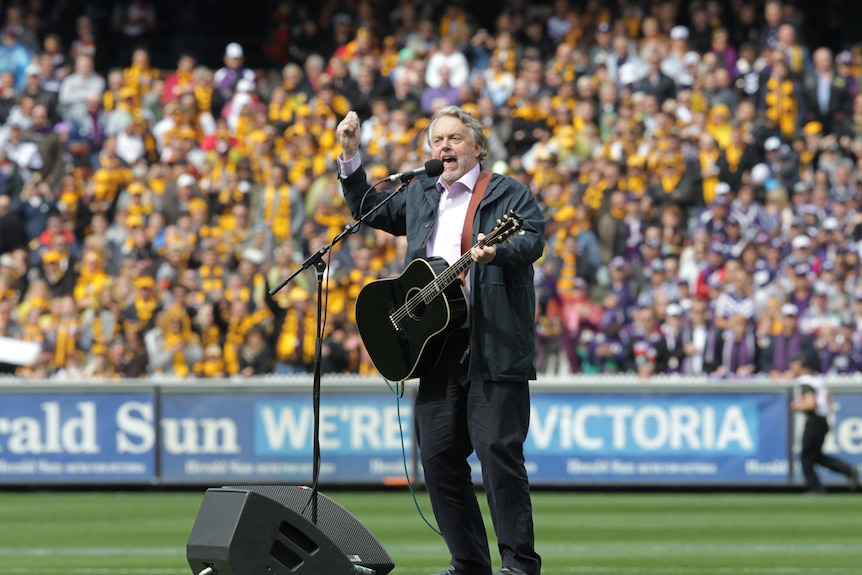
(475, 198)
(467, 230)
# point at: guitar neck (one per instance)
(446, 277)
(512, 222)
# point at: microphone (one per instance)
(432, 168)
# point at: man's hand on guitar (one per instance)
(483, 254)
(347, 134)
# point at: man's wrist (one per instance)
(347, 164)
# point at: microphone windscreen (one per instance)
(433, 168)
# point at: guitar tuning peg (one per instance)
(521, 232)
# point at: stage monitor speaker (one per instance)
(267, 530)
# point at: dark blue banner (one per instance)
(77, 437)
(268, 437)
(658, 438)
(253, 435)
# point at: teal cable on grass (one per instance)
(398, 395)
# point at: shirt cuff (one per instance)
(347, 167)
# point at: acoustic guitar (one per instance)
(405, 320)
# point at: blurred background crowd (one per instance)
(698, 165)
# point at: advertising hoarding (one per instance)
(629, 438)
(77, 437)
(268, 437)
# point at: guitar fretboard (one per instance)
(427, 294)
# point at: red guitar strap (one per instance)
(475, 198)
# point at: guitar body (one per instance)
(408, 344)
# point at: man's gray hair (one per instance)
(477, 130)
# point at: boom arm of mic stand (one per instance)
(316, 260)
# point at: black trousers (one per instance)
(454, 417)
(816, 428)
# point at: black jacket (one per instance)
(502, 296)
(12, 233)
(662, 87)
(840, 102)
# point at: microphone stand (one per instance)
(316, 260)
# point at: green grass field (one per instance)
(580, 533)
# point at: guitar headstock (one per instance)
(510, 224)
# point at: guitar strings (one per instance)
(416, 301)
(447, 277)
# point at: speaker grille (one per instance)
(342, 528)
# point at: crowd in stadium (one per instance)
(697, 165)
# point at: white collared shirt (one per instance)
(451, 213)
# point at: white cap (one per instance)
(800, 242)
(628, 74)
(233, 50)
(185, 180)
(33, 70)
(679, 33)
(244, 85)
(789, 309)
(722, 188)
(673, 310)
(759, 174)
(831, 223)
(691, 58)
(253, 255)
(771, 143)
(760, 277)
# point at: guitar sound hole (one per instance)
(415, 309)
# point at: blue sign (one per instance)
(658, 438)
(77, 437)
(268, 437)
(247, 435)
